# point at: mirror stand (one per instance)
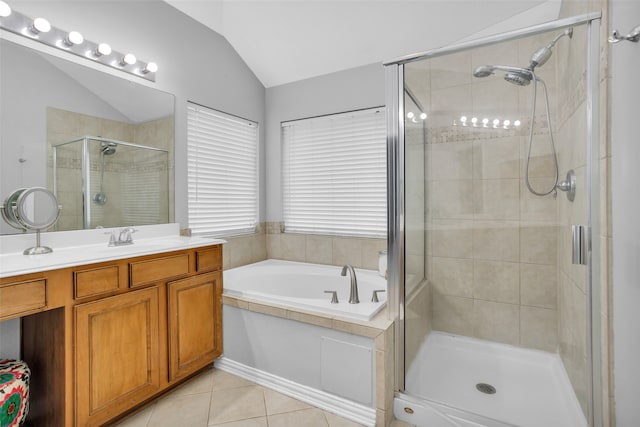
(37, 249)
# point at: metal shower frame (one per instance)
(394, 95)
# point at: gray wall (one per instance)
(352, 89)
(195, 63)
(625, 175)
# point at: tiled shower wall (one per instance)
(65, 125)
(491, 246)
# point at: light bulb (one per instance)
(40, 25)
(151, 67)
(410, 115)
(516, 123)
(474, 120)
(5, 10)
(463, 119)
(423, 116)
(128, 59)
(73, 38)
(485, 121)
(496, 122)
(506, 123)
(102, 49)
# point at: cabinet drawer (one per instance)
(209, 259)
(18, 298)
(95, 281)
(154, 270)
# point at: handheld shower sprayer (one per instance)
(522, 77)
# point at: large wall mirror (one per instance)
(103, 144)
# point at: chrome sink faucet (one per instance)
(353, 293)
(124, 237)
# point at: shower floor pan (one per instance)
(532, 388)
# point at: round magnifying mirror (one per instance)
(37, 208)
(9, 210)
(32, 209)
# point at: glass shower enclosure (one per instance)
(103, 182)
(493, 193)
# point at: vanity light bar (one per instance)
(73, 42)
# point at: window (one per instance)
(334, 174)
(222, 163)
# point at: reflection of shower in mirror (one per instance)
(106, 149)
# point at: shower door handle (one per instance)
(579, 246)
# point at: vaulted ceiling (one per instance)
(288, 40)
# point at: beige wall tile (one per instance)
(496, 199)
(294, 246)
(538, 244)
(319, 249)
(453, 239)
(451, 70)
(493, 98)
(539, 328)
(347, 251)
(274, 247)
(496, 240)
(496, 321)
(496, 281)
(538, 285)
(450, 161)
(496, 158)
(538, 208)
(451, 199)
(452, 314)
(452, 276)
(448, 103)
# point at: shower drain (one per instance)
(486, 388)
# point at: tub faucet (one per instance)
(353, 294)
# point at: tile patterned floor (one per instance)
(217, 398)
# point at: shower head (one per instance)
(523, 76)
(108, 148)
(515, 75)
(542, 55)
(483, 71)
(519, 78)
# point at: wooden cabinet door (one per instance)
(116, 350)
(195, 323)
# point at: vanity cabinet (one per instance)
(194, 317)
(117, 354)
(104, 338)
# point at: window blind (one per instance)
(334, 174)
(222, 163)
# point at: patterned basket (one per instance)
(14, 392)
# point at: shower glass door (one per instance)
(496, 315)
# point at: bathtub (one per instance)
(302, 285)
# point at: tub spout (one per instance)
(353, 294)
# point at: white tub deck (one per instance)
(303, 285)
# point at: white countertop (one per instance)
(73, 248)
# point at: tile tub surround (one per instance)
(380, 329)
(320, 249)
